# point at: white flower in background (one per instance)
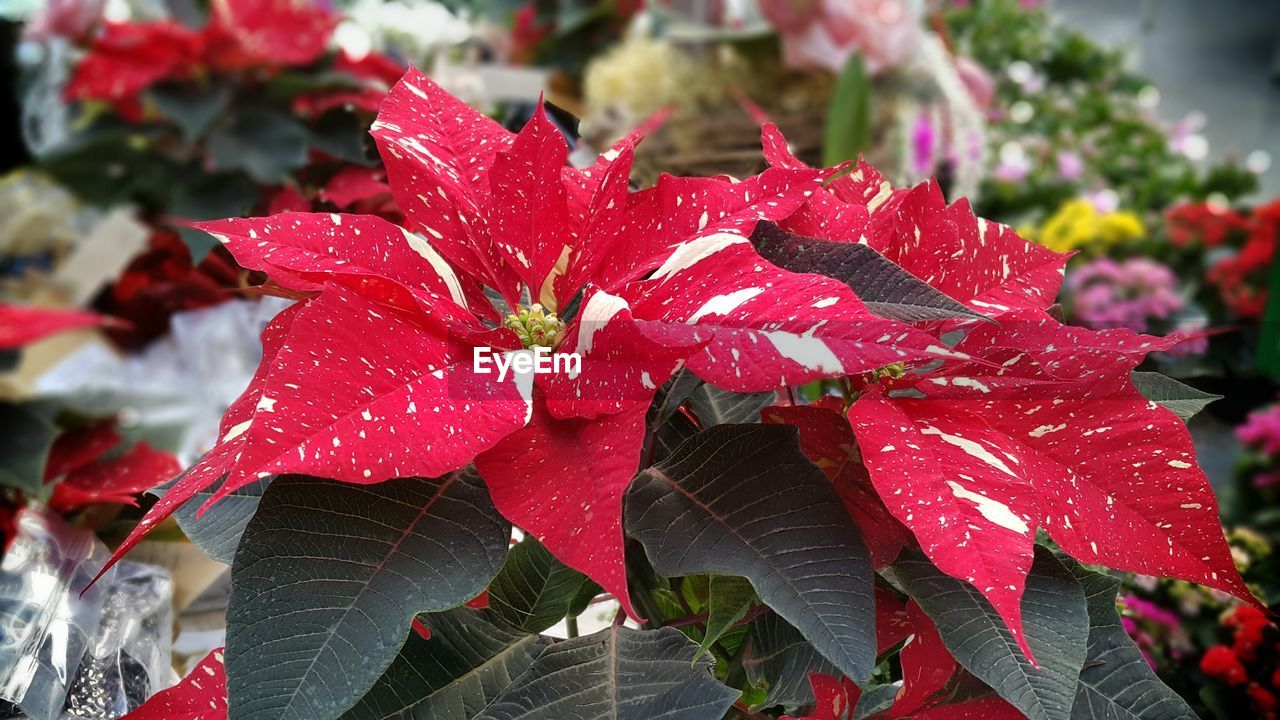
(417, 30)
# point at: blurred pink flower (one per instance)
(977, 81)
(1262, 431)
(1109, 294)
(824, 33)
(924, 145)
(1070, 166)
(71, 19)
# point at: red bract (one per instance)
(201, 695)
(25, 324)
(374, 377)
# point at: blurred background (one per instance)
(1144, 136)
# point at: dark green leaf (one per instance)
(1055, 619)
(1117, 683)
(848, 126)
(266, 144)
(714, 406)
(875, 700)
(533, 590)
(217, 532)
(728, 600)
(888, 290)
(329, 576)
(782, 660)
(26, 436)
(616, 674)
(582, 600)
(211, 196)
(341, 134)
(453, 675)
(1184, 400)
(744, 500)
(190, 107)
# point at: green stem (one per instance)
(571, 626)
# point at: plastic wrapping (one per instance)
(46, 624)
(64, 656)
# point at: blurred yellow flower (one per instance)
(1078, 225)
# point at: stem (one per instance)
(571, 626)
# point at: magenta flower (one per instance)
(1131, 294)
(1261, 431)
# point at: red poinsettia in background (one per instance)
(1244, 673)
(127, 58)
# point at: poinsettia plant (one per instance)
(247, 111)
(923, 541)
(68, 460)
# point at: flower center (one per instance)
(536, 327)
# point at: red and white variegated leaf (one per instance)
(201, 695)
(927, 665)
(126, 58)
(114, 480)
(438, 152)
(893, 625)
(983, 264)
(678, 209)
(304, 251)
(25, 324)
(766, 327)
(396, 399)
(827, 440)
(599, 203)
(1028, 354)
(863, 186)
(216, 463)
(833, 698)
(1121, 486)
(563, 481)
(528, 216)
(950, 479)
(624, 361)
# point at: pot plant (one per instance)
(826, 449)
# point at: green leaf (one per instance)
(1184, 400)
(744, 500)
(533, 590)
(26, 436)
(875, 700)
(190, 107)
(782, 660)
(848, 129)
(728, 600)
(1117, 683)
(328, 578)
(582, 600)
(1055, 619)
(888, 290)
(211, 196)
(341, 134)
(453, 675)
(616, 674)
(266, 144)
(217, 532)
(714, 406)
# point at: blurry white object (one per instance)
(184, 381)
(414, 29)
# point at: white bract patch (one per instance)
(423, 248)
(971, 448)
(688, 254)
(237, 430)
(811, 352)
(993, 510)
(599, 311)
(724, 304)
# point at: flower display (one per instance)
(1246, 668)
